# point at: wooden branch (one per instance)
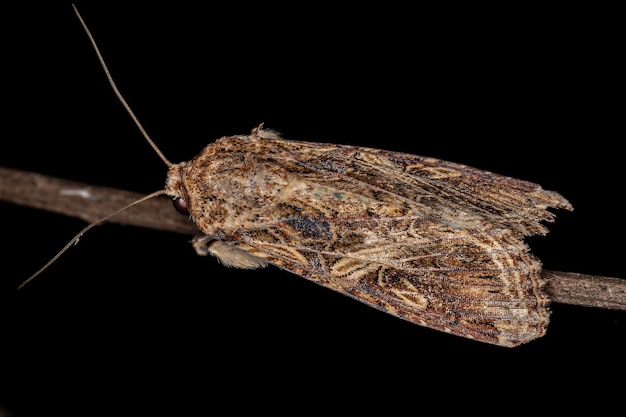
(586, 290)
(91, 203)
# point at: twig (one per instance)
(91, 203)
(586, 290)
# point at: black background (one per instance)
(131, 320)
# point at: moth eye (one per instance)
(180, 205)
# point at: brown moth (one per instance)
(433, 242)
(436, 243)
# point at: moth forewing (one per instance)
(433, 242)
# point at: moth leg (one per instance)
(227, 254)
(201, 244)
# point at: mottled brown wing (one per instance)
(433, 242)
(447, 191)
(478, 284)
(436, 243)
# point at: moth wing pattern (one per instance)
(482, 286)
(435, 187)
(433, 242)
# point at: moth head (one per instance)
(175, 188)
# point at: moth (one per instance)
(433, 242)
(436, 243)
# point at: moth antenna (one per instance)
(117, 92)
(76, 238)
